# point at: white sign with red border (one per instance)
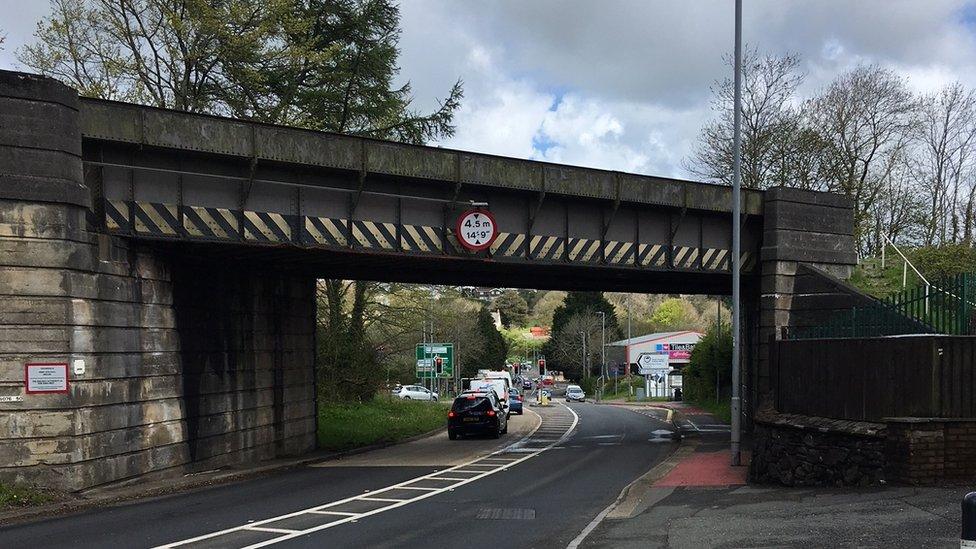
(46, 378)
(476, 229)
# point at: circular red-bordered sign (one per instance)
(476, 229)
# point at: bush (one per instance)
(712, 357)
(588, 385)
(942, 261)
(347, 367)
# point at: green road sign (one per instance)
(435, 360)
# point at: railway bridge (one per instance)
(168, 261)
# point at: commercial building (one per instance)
(677, 345)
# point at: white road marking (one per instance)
(354, 517)
(272, 530)
(591, 526)
(603, 514)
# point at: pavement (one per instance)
(697, 499)
(539, 490)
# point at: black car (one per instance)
(476, 413)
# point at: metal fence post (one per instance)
(967, 540)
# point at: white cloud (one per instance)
(634, 76)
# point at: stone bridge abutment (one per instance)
(181, 362)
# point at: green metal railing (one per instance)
(945, 307)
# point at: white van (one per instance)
(499, 384)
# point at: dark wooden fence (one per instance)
(867, 379)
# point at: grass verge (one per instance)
(21, 496)
(722, 409)
(346, 426)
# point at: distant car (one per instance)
(527, 385)
(515, 401)
(575, 392)
(415, 392)
(476, 413)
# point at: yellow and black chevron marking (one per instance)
(371, 234)
(508, 245)
(715, 259)
(547, 248)
(684, 257)
(210, 222)
(327, 231)
(116, 215)
(421, 238)
(156, 219)
(619, 253)
(266, 227)
(584, 250)
(652, 255)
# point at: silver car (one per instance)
(415, 392)
(575, 392)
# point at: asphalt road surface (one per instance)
(539, 486)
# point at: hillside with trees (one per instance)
(906, 160)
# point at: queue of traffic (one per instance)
(488, 400)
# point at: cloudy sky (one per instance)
(624, 84)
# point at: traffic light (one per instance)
(439, 364)
(542, 365)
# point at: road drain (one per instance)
(506, 514)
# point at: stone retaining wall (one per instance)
(804, 451)
(796, 450)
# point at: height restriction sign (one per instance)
(476, 229)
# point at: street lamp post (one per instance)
(603, 342)
(736, 237)
(603, 348)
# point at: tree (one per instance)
(544, 308)
(495, 352)
(770, 126)
(866, 117)
(565, 349)
(520, 345)
(318, 64)
(710, 367)
(675, 314)
(513, 308)
(591, 303)
(580, 312)
(945, 162)
(347, 362)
